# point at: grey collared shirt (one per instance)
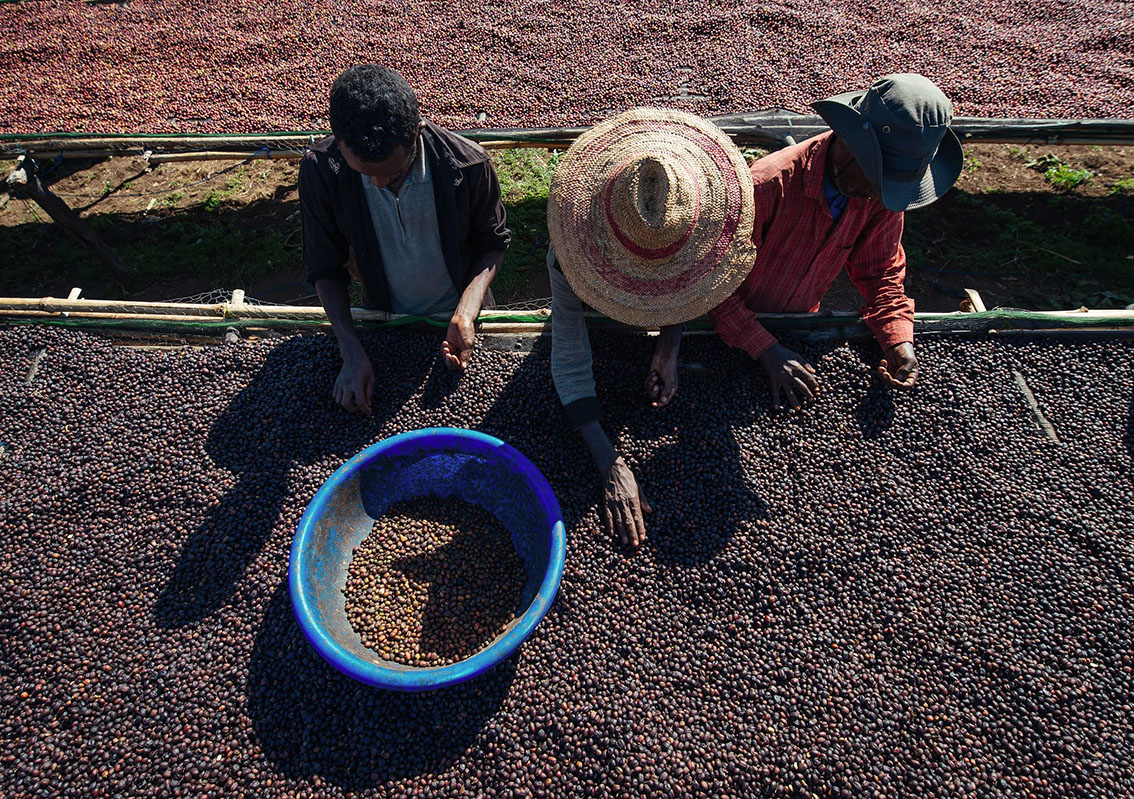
(408, 237)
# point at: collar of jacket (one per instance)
(452, 153)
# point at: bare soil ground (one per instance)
(1005, 230)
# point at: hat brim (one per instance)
(939, 177)
(841, 114)
(662, 285)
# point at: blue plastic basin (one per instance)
(442, 461)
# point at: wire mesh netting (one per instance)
(221, 296)
(534, 304)
(216, 297)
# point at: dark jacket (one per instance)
(336, 218)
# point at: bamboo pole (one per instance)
(973, 303)
(221, 310)
(186, 316)
(251, 155)
(131, 317)
(226, 155)
(487, 327)
(159, 142)
(167, 325)
(225, 310)
(71, 155)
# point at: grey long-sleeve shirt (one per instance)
(571, 362)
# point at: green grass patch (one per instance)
(1058, 173)
(194, 246)
(1043, 163)
(525, 178)
(189, 243)
(216, 197)
(1121, 187)
(1064, 178)
(753, 154)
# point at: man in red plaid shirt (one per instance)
(835, 202)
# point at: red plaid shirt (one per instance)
(800, 251)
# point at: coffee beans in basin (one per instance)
(434, 583)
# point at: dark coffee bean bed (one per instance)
(886, 594)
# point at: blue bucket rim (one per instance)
(412, 678)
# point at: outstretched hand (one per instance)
(661, 382)
(623, 505)
(459, 342)
(898, 366)
(790, 377)
(354, 387)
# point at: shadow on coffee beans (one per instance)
(313, 721)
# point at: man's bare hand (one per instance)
(790, 377)
(354, 386)
(623, 504)
(661, 382)
(459, 342)
(898, 367)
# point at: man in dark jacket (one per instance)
(410, 209)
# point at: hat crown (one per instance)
(650, 215)
(898, 131)
(909, 116)
(649, 189)
(908, 100)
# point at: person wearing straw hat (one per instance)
(837, 201)
(648, 214)
(409, 209)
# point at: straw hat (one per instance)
(651, 216)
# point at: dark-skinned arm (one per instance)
(354, 386)
(877, 267)
(623, 502)
(460, 339)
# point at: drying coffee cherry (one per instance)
(886, 594)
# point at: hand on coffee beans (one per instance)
(623, 504)
(661, 382)
(790, 377)
(458, 344)
(354, 386)
(898, 366)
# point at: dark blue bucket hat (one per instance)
(898, 131)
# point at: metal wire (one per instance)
(216, 297)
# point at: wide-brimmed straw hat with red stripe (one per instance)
(651, 215)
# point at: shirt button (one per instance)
(885, 128)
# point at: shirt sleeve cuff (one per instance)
(758, 345)
(893, 333)
(583, 411)
(331, 272)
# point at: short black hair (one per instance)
(373, 110)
